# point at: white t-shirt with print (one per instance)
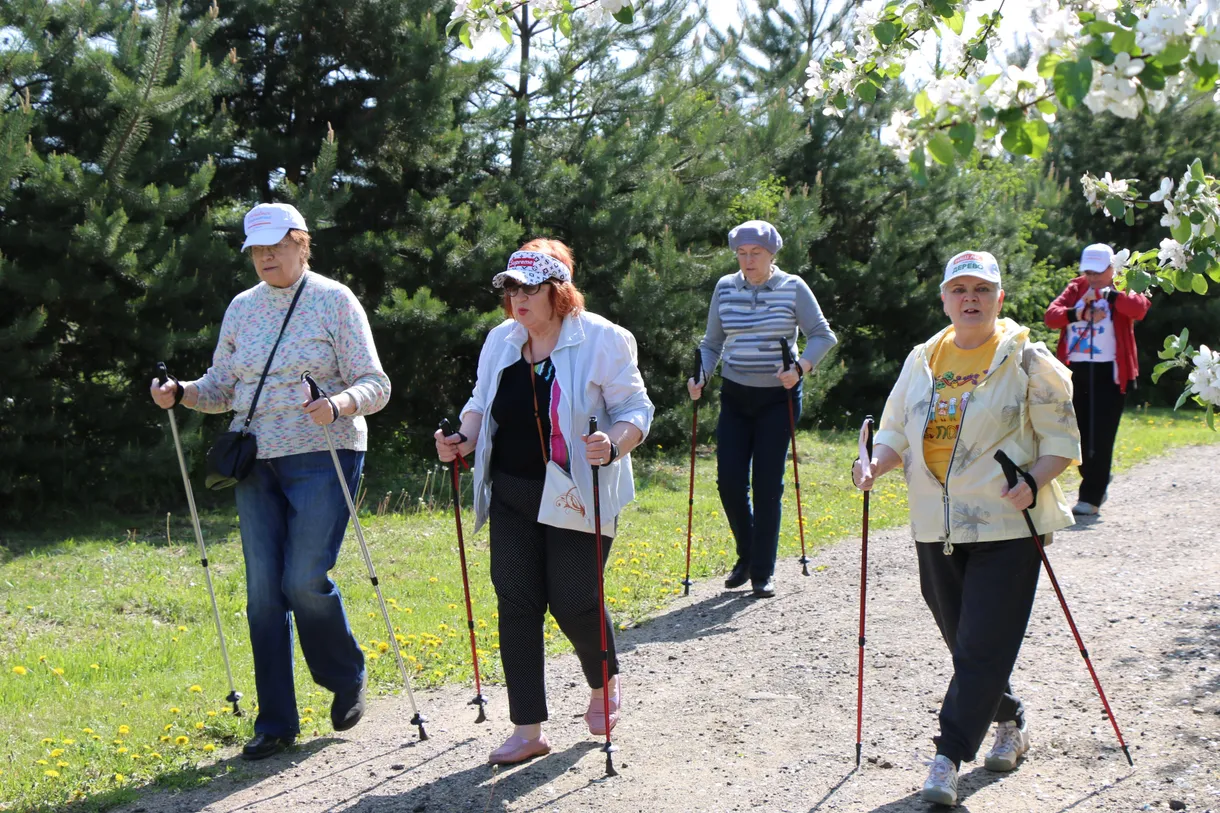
(1101, 333)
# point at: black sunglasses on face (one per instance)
(512, 289)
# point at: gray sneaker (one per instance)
(1010, 745)
(941, 785)
(1084, 509)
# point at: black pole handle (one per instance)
(592, 429)
(698, 368)
(162, 375)
(868, 438)
(445, 428)
(1011, 472)
(787, 351)
(315, 392)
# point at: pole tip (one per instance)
(610, 764)
(858, 754)
(418, 721)
(1127, 754)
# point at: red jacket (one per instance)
(1127, 309)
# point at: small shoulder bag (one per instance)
(561, 505)
(233, 454)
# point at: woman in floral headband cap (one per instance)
(542, 374)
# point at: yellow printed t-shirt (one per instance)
(956, 373)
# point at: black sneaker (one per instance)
(348, 706)
(265, 745)
(738, 576)
(764, 589)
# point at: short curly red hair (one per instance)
(564, 297)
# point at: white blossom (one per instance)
(1171, 252)
(1205, 377)
(1163, 192)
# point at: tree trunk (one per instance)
(522, 97)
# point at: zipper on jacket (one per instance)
(948, 549)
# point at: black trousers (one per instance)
(1099, 408)
(535, 567)
(981, 596)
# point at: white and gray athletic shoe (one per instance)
(1010, 745)
(941, 785)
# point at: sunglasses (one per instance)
(512, 289)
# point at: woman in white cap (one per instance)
(542, 374)
(1096, 324)
(751, 311)
(291, 505)
(979, 385)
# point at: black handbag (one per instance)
(233, 454)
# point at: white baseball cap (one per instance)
(1096, 258)
(972, 264)
(267, 223)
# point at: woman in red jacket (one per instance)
(1096, 325)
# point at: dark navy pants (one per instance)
(981, 596)
(752, 438)
(1099, 409)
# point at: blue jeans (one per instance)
(293, 516)
(754, 432)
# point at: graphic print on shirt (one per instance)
(545, 370)
(1092, 338)
(953, 393)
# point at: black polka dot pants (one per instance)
(535, 567)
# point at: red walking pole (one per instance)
(866, 458)
(796, 474)
(1011, 473)
(479, 700)
(608, 748)
(690, 506)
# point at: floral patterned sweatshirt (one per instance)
(1023, 406)
(328, 335)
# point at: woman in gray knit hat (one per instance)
(751, 310)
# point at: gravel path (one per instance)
(733, 704)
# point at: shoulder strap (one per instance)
(537, 418)
(263, 380)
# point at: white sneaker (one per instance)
(1084, 509)
(941, 785)
(1010, 745)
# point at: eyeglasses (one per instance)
(512, 289)
(264, 251)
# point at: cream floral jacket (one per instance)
(1023, 406)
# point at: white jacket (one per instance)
(598, 373)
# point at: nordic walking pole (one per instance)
(866, 460)
(479, 700)
(601, 605)
(161, 377)
(796, 474)
(417, 719)
(1092, 392)
(690, 505)
(1011, 473)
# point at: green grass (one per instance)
(114, 628)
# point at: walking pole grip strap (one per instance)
(1011, 473)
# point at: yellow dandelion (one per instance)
(154, 755)
(20, 670)
(373, 656)
(196, 688)
(58, 752)
(383, 647)
(168, 726)
(174, 710)
(124, 731)
(453, 606)
(180, 740)
(495, 615)
(408, 610)
(41, 762)
(51, 774)
(181, 629)
(69, 742)
(94, 666)
(62, 764)
(174, 639)
(136, 756)
(307, 710)
(118, 777)
(432, 580)
(97, 737)
(209, 747)
(199, 726)
(306, 720)
(372, 614)
(86, 731)
(121, 751)
(211, 714)
(164, 738)
(482, 623)
(117, 742)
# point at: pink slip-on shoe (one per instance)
(518, 749)
(596, 715)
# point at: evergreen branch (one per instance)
(136, 128)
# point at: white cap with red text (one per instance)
(267, 223)
(972, 264)
(1096, 258)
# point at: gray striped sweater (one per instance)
(746, 322)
